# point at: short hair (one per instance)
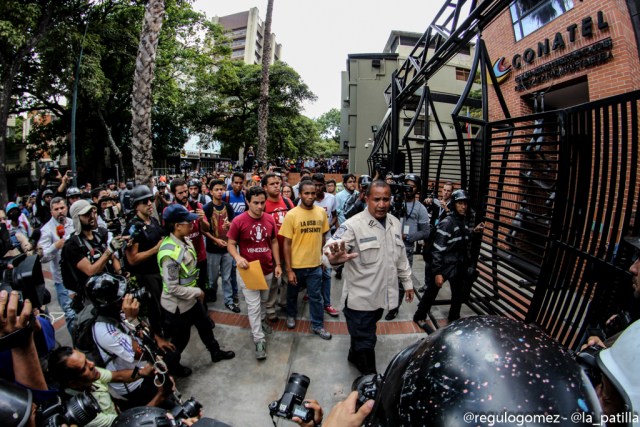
(332, 181)
(57, 367)
(176, 183)
(95, 193)
(318, 177)
(377, 183)
(254, 191)
(265, 179)
(348, 176)
(237, 175)
(306, 182)
(57, 200)
(449, 183)
(215, 182)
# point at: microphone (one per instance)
(60, 230)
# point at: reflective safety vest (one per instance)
(188, 277)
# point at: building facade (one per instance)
(569, 51)
(246, 31)
(365, 106)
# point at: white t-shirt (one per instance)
(110, 338)
(330, 205)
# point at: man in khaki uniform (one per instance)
(371, 248)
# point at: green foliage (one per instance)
(329, 124)
(232, 118)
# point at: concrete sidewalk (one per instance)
(239, 391)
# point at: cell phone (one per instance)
(71, 174)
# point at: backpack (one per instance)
(288, 203)
(348, 204)
(82, 335)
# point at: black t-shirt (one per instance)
(216, 215)
(146, 236)
(78, 247)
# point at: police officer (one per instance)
(371, 248)
(451, 259)
(182, 300)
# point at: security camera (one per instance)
(367, 145)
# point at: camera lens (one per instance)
(81, 409)
(191, 408)
(141, 294)
(298, 385)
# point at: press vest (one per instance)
(176, 252)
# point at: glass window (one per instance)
(529, 15)
(462, 74)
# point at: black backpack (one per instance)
(83, 335)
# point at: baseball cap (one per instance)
(81, 207)
(177, 213)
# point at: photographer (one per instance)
(72, 370)
(88, 251)
(415, 226)
(53, 236)
(161, 199)
(114, 335)
(19, 229)
(358, 204)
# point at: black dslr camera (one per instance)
(291, 403)
(26, 277)
(189, 409)
(79, 410)
(367, 387)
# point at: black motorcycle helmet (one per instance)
(15, 404)
(140, 193)
(364, 180)
(460, 196)
(73, 192)
(415, 178)
(482, 365)
(195, 183)
(105, 289)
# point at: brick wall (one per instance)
(619, 75)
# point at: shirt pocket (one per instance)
(369, 252)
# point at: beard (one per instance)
(87, 226)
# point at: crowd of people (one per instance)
(135, 267)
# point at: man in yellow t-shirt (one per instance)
(303, 230)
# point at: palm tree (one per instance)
(263, 107)
(142, 98)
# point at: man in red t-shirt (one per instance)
(277, 206)
(255, 236)
(180, 193)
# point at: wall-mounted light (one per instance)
(374, 129)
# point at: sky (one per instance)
(317, 35)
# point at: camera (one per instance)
(79, 410)
(367, 387)
(25, 277)
(141, 294)
(51, 173)
(291, 403)
(189, 409)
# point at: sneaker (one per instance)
(266, 328)
(261, 350)
(322, 333)
(291, 322)
(233, 307)
(272, 317)
(331, 311)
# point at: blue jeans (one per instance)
(220, 264)
(64, 300)
(234, 279)
(312, 277)
(326, 287)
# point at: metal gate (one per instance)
(558, 191)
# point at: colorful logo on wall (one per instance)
(501, 70)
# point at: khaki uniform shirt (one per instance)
(371, 279)
(175, 296)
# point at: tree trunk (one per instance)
(5, 100)
(141, 143)
(263, 107)
(112, 143)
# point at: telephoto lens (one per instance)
(291, 403)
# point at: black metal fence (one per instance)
(559, 191)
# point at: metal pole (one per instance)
(72, 154)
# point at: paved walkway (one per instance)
(239, 391)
